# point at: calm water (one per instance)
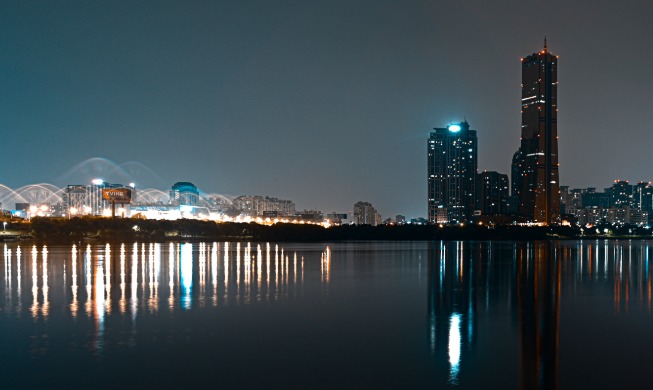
(475, 315)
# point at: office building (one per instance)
(539, 193)
(451, 166)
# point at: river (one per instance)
(444, 314)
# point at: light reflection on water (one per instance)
(463, 289)
(192, 275)
(467, 280)
(454, 347)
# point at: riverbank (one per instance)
(131, 229)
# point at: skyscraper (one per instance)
(452, 164)
(539, 191)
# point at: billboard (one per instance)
(117, 195)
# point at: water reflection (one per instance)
(500, 301)
(454, 347)
(538, 311)
(453, 295)
(471, 279)
(129, 278)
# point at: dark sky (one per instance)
(322, 102)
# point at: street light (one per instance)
(4, 225)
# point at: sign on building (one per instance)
(117, 195)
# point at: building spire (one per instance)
(545, 43)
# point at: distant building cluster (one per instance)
(621, 203)
(183, 200)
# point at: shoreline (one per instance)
(91, 229)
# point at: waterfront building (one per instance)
(565, 199)
(620, 203)
(539, 193)
(571, 199)
(451, 167)
(515, 174)
(643, 196)
(492, 193)
(218, 203)
(636, 216)
(512, 205)
(591, 198)
(590, 215)
(257, 206)
(365, 214)
(310, 215)
(623, 215)
(184, 193)
(80, 199)
(335, 218)
(620, 194)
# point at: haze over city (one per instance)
(324, 103)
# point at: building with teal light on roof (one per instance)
(452, 164)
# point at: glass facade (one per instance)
(452, 165)
(539, 192)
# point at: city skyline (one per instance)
(323, 103)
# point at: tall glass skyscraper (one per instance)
(452, 164)
(539, 188)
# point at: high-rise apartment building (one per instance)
(451, 166)
(515, 174)
(254, 206)
(643, 196)
(492, 193)
(539, 192)
(365, 214)
(620, 194)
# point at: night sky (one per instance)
(321, 102)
